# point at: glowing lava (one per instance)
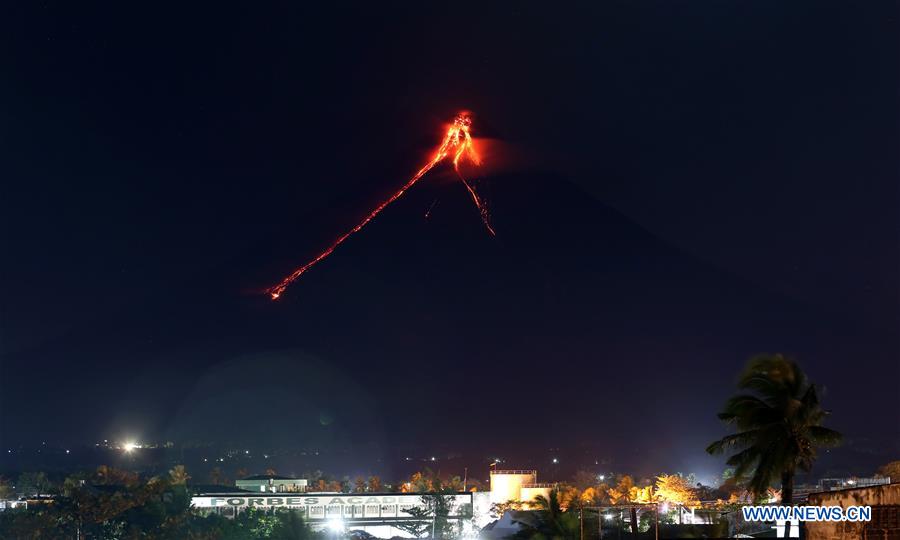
(456, 146)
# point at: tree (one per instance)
(584, 479)
(453, 483)
(359, 485)
(155, 508)
(433, 517)
(595, 495)
(33, 483)
(778, 424)
(5, 488)
(474, 484)
(547, 520)
(891, 470)
(256, 523)
(289, 525)
(676, 489)
(111, 476)
(216, 476)
(421, 482)
(178, 475)
(626, 492)
(498, 509)
(374, 484)
(569, 497)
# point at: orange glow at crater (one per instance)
(457, 147)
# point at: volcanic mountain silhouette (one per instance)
(573, 320)
(569, 302)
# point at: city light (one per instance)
(336, 526)
(129, 446)
(555, 460)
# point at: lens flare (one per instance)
(456, 146)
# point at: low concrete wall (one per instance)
(885, 524)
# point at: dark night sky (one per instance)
(675, 185)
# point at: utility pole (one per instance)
(656, 519)
(581, 521)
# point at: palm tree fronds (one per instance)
(822, 436)
(777, 423)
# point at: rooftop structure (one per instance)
(272, 483)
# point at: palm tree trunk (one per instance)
(634, 522)
(787, 488)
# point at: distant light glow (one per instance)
(130, 446)
(336, 525)
(555, 460)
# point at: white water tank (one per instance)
(507, 485)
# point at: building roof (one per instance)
(269, 477)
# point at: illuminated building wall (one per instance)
(507, 485)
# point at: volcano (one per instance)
(565, 308)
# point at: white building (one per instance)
(516, 486)
(270, 483)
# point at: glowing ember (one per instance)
(457, 145)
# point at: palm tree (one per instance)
(547, 520)
(778, 427)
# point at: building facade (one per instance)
(375, 513)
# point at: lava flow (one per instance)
(456, 146)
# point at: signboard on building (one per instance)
(335, 506)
